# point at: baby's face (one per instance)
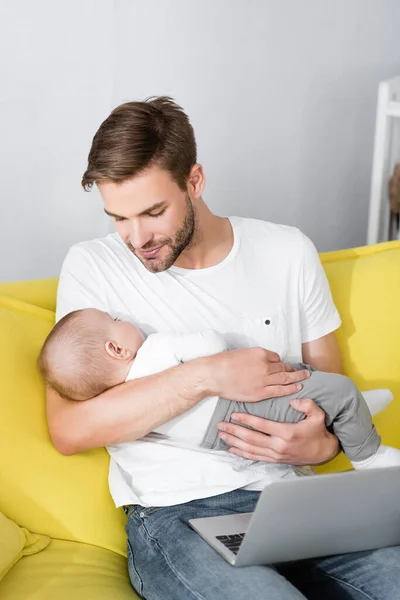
(125, 334)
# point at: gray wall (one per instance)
(55, 87)
(282, 95)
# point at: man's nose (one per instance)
(138, 235)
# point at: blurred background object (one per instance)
(384, 206)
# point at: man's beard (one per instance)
(184, 237)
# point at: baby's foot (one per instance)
(377, 400)
(385, 457)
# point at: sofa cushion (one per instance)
(365, 284)
(16, 542)
(63, 497)
(67, 571)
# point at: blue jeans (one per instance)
(167, 560)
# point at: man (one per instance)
(175, 266)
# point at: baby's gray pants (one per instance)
(347, 414)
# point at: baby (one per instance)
(89, 352)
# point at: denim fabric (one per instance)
(167, 560)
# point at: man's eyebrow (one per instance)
(145, 212)
(110, 214)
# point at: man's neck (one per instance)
(212, 241)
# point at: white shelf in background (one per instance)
(393, 109)
(388, 108)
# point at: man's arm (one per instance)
(123, 413)
(324, 354)
(133, 409)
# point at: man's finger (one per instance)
(286, 378)
(253, 448)
(238, 436)
(264, 426)
(278, 447)
(308, 407)
(272, 356)
(278, 391)
(277, 367)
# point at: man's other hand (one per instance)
(307, 442)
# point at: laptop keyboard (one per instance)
(232, 542)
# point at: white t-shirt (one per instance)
(270, 291)
(162, 351)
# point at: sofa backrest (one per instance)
(63, 497)
(67, 497)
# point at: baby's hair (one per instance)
(73, 360)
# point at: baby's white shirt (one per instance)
(161, 351)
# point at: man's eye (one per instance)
(157, 214)
(119, 219)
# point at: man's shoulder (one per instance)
(98, 251)
(109, 242)
(88, 268)
(268, 233)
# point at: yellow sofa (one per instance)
(81, 550)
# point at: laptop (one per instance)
(308, 517)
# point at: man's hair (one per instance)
(139, 135)
(73, 360)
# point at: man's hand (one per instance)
(305, 443)
(250, 375)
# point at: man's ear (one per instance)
(196, 182)
(117, 351)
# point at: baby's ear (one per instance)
(117, 351)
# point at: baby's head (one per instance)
(88, 352)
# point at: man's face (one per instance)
(153, 216)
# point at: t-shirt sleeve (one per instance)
(318, 314)
(79, 284)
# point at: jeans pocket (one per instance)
(134, 576)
